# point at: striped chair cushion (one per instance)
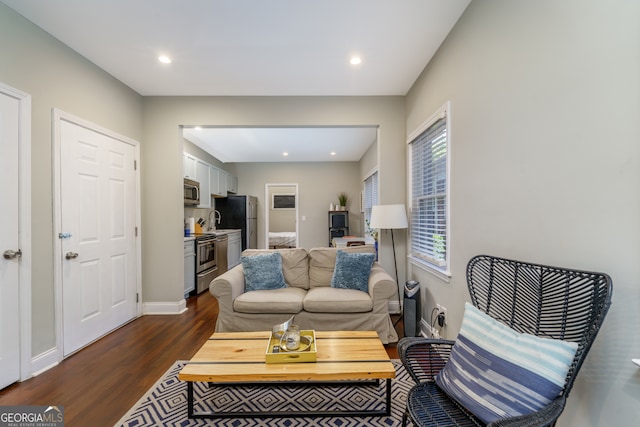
(496, 372)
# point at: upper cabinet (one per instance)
(213, 181)
(203, 173)
(232, 183)
(189, 166)
(218, 182)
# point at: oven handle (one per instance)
(207, 272)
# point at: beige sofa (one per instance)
(308, 296)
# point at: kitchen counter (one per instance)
(212, 233)
(224, 231)
(219, 232)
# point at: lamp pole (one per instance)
(388, 217)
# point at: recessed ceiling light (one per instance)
(333, 153)
(164, 59)
(355, 60)
(285, 154)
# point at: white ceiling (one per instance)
(252, 47)
(301, 144)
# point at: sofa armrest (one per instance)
(227, 287)
(382, 287)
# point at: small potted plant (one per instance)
(373, 232)
(343, 198)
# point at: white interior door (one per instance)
(98, 234)
(9, 240)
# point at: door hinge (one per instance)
(137, 297)
(136, 231)
(135, 165)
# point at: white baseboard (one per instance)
(150, 308)
(43, 362)
(427, 331)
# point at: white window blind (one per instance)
(429, 192)
(370, 195)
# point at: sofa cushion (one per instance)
(324, 299)
(352, 271)
(322, 262)
(284, 300)
(496, 372)
(263, 272)
(295, 264)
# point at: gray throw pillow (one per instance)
(352, 270)
(262, 272)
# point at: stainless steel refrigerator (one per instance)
(240, 212)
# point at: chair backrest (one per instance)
(545, 301)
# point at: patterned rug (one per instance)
(165, 404)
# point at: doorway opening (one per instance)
(281, 215)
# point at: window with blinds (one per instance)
(429, 193)
(370, 196)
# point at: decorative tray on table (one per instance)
(277, 351)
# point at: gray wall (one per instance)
(318, 186)
(56, 77)
(545, 134)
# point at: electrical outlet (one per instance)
(442, 311)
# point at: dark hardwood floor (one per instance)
(98, 384)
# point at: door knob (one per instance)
(71, 255)
(9, 254)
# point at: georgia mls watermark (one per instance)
(31, 416)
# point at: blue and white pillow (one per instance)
(263, 272)
(496, 372)
(352, 270)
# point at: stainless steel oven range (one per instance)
(206, 261)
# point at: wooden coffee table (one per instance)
(238, 358)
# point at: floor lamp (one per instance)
(390, 217)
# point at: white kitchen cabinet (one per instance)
(213, 181)
(189, 266)
(234, 249)
(232, 183)
(218, 182)
(189, 166)
(203, 170)
(222, 187)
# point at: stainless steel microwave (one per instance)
(191, 192)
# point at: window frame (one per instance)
(443, 271)
(375, 196)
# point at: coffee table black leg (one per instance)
(388, 396)
(190, 399)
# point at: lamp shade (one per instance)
(388, 217)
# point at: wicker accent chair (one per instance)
(540, 300)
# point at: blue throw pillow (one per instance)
(496, 372)
(352, 270)
(263, 271)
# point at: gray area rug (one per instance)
(165, 404)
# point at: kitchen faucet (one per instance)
(216, 219)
